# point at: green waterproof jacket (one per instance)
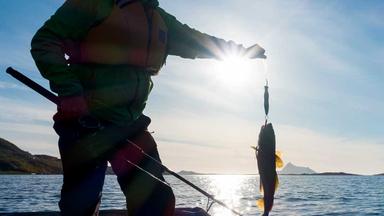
(115, 93)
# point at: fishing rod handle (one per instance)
(33, 85)
(87, 122)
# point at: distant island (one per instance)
(334, 173)
(291, 169)
(13, 160)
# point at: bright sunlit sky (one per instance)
(325, 66)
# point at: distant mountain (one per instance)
(16, 161)
(291, 169)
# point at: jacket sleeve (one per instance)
(49, 46)
(187, 42)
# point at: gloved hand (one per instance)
(235, 49)
(71, 108)
(255, 51)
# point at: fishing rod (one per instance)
(33, 85)
(54, 98)
(88, 122)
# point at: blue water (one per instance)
(297, 195)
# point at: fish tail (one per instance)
(260, 204)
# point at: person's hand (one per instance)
(255, 51)
(71, 107)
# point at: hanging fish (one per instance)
(267, 161)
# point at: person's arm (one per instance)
(187, 42)
(67, 26)
(58, 37)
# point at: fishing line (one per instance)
(265, 66)
(266, 92)
(148, 173)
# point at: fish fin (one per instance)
(279, 161)
(277, 182)
(278, 153)
(260, 204)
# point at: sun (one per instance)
(234, 71)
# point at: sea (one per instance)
(296, 195)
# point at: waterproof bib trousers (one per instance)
(82, 185)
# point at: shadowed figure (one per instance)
(113, 49)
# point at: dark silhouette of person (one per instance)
(99, 56)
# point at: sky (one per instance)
(325, 68)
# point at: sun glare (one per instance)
(235, 71)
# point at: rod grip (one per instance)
(33, 85)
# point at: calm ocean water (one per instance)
(297, 195)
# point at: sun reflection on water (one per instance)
(226, 188)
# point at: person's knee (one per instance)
(129, 151)
(145, 141)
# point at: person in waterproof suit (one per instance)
(99, 56)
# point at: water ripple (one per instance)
(297, 195)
